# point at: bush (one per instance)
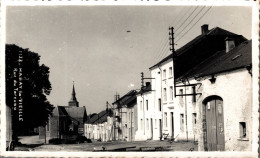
(55, 141)
(81, 139)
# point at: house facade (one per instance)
(220, 111)
(149, 116)
(101, 126)
(212, 99)
(127, 113)
(179, 119)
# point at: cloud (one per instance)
(131, 85)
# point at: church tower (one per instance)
(73, 101)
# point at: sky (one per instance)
(103, 49)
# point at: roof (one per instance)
(100, 117)
(145, 89)
(126, 99)
(74, 113)
(199, 49)
(239, 57)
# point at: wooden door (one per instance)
(214, 139)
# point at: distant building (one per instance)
(127, 112)
(100, 126)
(65, 120)
(149, 115)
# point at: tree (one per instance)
(35, 87)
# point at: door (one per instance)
(160, 127)
(172, 125)
(213, 124)
(152, 129)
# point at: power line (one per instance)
(183, 15)
(165, 40)
(190, 22)
(194, 23)
(164, 51)
(186, 19)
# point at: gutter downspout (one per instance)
(143, 112)
(186, 112)
(161, 132)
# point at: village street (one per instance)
(32, 143)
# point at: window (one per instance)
(147, 124)
(181, 92)
(164, 74)
(170, 72)
(181, 122)
(147, 105)
(141, 105)
(132, 114)
(160, 104)
(141, 122)
(171, 92)
(165, 119)
(242, 129)
(164, 94)
(194, 120)
(194, 94)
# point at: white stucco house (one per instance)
(212, 71)
(223, 105)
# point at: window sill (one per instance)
(164, 79)
(243, 139)
(164, 103)
(170, 77)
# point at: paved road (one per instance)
(34, 144)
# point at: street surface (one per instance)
(32, 143)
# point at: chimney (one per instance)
(230, 44)
(204, 29)
(147, 84)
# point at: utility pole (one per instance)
(142, 80)
(171, 29)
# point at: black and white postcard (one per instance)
(129, 79)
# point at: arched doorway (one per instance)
(213, 124)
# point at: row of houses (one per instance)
(203, 93)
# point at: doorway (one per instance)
(213, 124)
(172, 125)
(151, 129)
(160, 128)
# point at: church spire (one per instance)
(73, 97)
(73, 101)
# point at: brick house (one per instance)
(65, 120)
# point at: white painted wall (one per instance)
(164, 90)
(235, 88)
